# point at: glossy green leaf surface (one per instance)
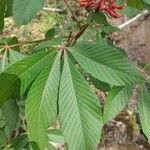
(41, 107)
(22, 73)
(106, 63)
(115, 101)
(144, 110)
(25, 10)
(79, 110)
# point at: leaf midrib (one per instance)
(42, 98)
(105, 65)
(70, 74)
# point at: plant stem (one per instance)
(69, 8)
(77, 35)
(24, 43)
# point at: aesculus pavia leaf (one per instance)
(41, 107)
(25, 10)
(15, 79)
(144, 110)
(55, 135)
(106, 63)
(10, 110)
(2, 14)
(79, 110)
(116, 100)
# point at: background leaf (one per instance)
(136, 4)
(10, 110)
(2, 13)
(9, 5)
(15, 56)
(100, 85)
(25, 10)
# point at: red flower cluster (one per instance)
(107, 6)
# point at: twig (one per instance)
(69, 8)
(137, 17)
(53, 9)
(77, 35)
(24, 43)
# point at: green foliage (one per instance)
(79, 110)
(9, 5)
(22, 72)
(144, 110)
(118, 97)
(45, 100)
(146, 1)
(106, 63)
(2, 11)
(10, 111)
(100, 18)
(24, 11)
(102, 86)
(41, 108)
(136, 4)
(130, 11)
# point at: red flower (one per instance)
(107, 6)
(86, 3)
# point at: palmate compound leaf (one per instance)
(41, 107)
(79, 110)
(116, 100)
(22, 73)
(25, 10)
(144, 110)
(106, 63)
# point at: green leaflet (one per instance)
(25, 10)
(15, 56)
(22, 73)
(136, 3)
(10, 110)
(116, 100)
(102, 86)
(41, 107)
(79, 110)
(147, 2)
(9, 6)
(3, 138)
(55, 135)
(106, 63)
(20, 142)
(4, 61)
(2, 14)
(144, 110)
